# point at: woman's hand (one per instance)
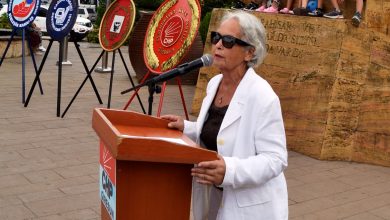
(176, 122)
(210, 172)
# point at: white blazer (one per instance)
(253, 144)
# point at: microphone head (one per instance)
(207, 59)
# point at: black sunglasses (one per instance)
(227, 40)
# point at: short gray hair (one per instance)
(253, 32)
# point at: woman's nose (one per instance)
(219, 44)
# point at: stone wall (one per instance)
(15, 49)
(333, 81)
(377, 16)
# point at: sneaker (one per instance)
(238, 5)
(356, 19)
(316, 13)
(300, 11)
(334, 14)
(286, 11)
(261, 8)
(251, 6)
(271, 10)
(41, 48)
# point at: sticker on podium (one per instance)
(116, 24)
(22, 12)
(61, 17)
(107, 180)
(170, 34)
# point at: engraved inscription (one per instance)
(276, 24)
(292, 38)
(285, 51)
(285, 38)
(310, 28)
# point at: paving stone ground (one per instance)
(49, 165)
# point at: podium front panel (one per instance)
(143, 190)
(145, 167)
(153, 190)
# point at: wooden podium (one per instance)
(145, 167)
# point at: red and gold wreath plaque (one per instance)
(170, 34)
(116, 24)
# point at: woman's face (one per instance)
(230, 59)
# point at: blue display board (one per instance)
(22, 12)
(61, 17)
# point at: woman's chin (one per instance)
(218, 64)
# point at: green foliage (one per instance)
(100, 10)
(4, 22)
(204, 26)
(209, 5)
(207, 8)
(93, 36)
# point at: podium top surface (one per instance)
(134, 136)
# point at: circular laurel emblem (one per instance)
(61, 17)
(170, 34)
(116, 24)
(22, 12)
(171, 31)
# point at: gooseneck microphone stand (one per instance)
(152, 88)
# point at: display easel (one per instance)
(171, 32)
(59, 81)
(23, 60)
(115, 28)
(89, 72)
(59, 26)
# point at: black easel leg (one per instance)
(88, 71)
(111, 79)
(8, 44)
(38, 73)
(23, 68)
(34, 62)
(59, 77)
(82, 84)
(131, 80)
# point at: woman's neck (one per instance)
(233, 78)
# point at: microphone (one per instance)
(205, 60)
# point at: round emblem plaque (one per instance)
(170, 34)
(61, 17)
(172, 31)
(22, 12)
(116, 24)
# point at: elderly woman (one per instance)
(241, 119)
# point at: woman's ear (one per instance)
(250, 53)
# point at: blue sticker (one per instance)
(61, 17)
(22, 12)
